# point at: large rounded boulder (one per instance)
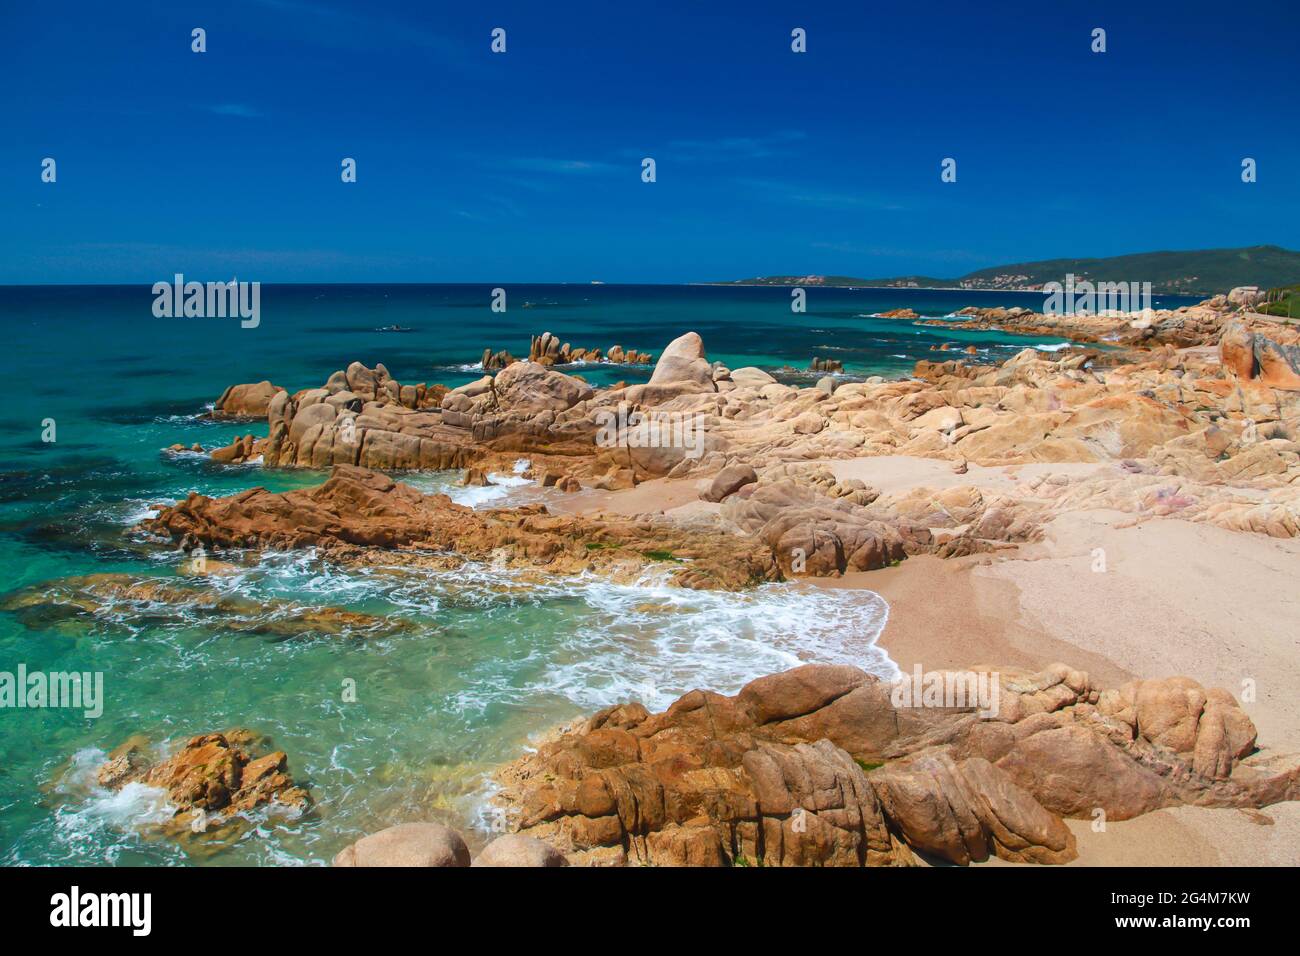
(529, 388)
(407, 844)
(684, 361)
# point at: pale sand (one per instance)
(660, 495)
(1174, 598)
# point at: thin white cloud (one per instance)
(542, 164)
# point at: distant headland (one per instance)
(1196, 272)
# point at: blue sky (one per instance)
(525, 166)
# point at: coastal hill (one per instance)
(1198, 272)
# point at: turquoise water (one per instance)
(462, 669)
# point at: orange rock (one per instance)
(820, 766)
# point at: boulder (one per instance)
(246, 401)
(528, 387)
(1237, 351)
(683, 360)
(752, 377)
(407, 844)
(1279, 365)
(968, 812)
(515, 849)
(730, 480)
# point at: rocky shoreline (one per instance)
(1190, 414)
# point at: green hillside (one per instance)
(1198, 272)
(1284, 301)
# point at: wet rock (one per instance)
(211, 780)
(357, 511)
(86, 601)
(494, 361)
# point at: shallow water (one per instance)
(470, 665)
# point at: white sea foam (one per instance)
(508, 655)
(652, 642)
(609, 642)
(135, 805)
(1054, 348)
(135, 511)
(474, 496)
(477, 496)
(91, 810)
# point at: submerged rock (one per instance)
(96, 599)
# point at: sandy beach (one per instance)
(1175, 597)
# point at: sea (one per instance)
(403, 719)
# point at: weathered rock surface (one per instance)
(728, 481)
(407, 844)
(515, 849)
(683, 360)
(820, 766)
(1253, 356)
(245, 401)
(211, 781)
(358, 510)
(1206, 432)
(528, 387)
(95, 600)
